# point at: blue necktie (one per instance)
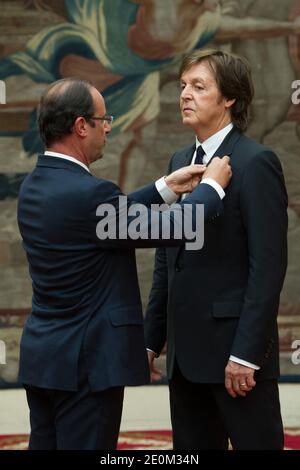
(199, 156)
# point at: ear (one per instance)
(80, 127)
(229, 103)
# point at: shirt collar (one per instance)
(66, 157)
(211, 144)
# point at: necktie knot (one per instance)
(199, 155)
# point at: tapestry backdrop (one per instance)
(130, 50)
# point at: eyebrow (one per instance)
(194, 80)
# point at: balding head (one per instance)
(60, 105)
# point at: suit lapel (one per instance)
(226, 147)
(184, 158)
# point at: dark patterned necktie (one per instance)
(199, 156)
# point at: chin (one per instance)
(187, 121)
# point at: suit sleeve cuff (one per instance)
(244, 363)
(214, 185)
(165, 192)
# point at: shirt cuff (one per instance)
(166, 193)
(214, 185)
(150, 350)
(244, 363)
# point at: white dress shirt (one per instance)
(210, 147)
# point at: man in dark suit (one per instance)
(217, 308)
(84, 341)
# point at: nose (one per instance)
(107, 127)
(186, 93)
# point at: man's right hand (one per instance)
(219, 170)
(155, 374)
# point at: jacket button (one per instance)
(178, 268)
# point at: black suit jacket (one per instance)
(224, 299)
(85, 290)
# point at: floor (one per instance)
(145, 408)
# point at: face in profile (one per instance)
(99, 128)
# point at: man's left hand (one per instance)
(185, 179)
(238, 379)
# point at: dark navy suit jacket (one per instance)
(85, 291)
(224, 299)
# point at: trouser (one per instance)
(204, 416)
